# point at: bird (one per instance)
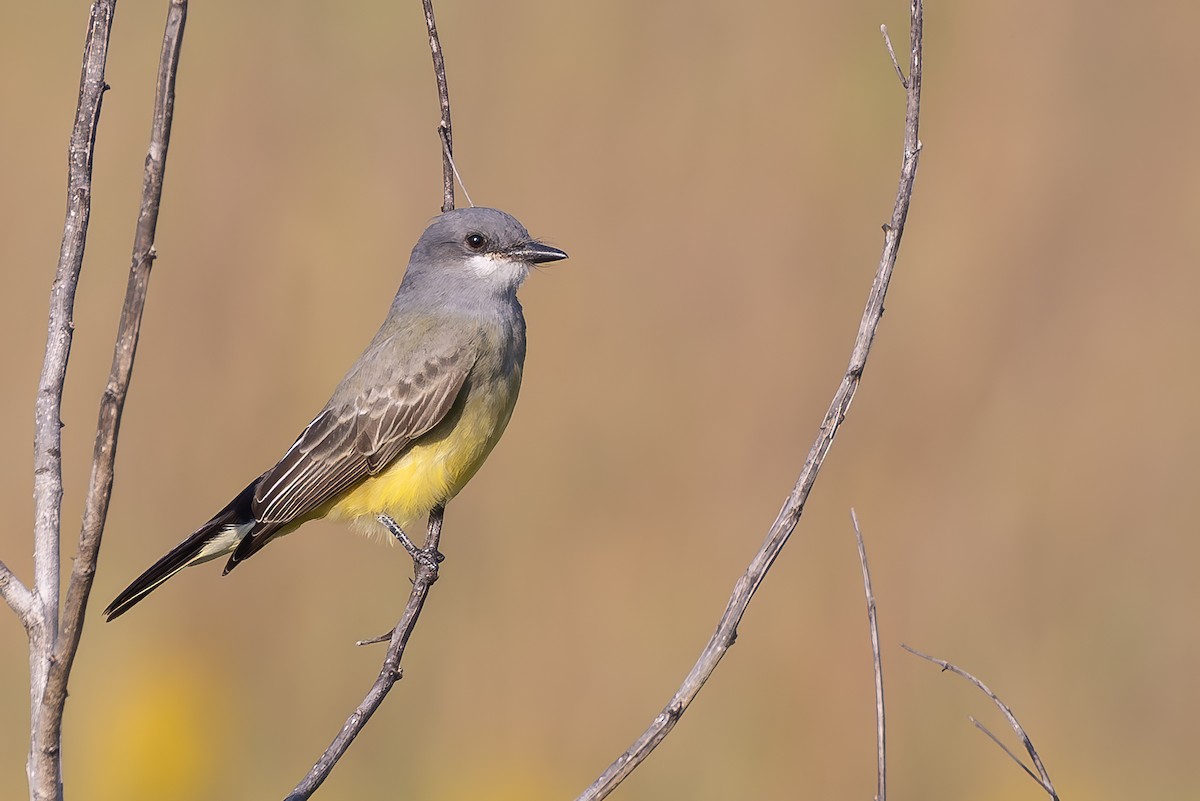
(415, 416)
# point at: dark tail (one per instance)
(189, 552)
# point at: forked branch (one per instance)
(54, 641)
(1041, 777)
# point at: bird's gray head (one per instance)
(480, 248)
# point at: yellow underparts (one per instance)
(434, 468)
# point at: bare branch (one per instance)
(444, 129)
(43, 767)
(112, 402)
(17, 596)
(793, 507)
(47, 468)
(1042, 777)
(880, 718)
(425, 573)
(47, 734)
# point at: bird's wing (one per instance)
(357, 436)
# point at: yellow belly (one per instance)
(434, 468)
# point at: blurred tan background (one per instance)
(1022, 453)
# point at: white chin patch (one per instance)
(497, 268)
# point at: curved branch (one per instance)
(1041, 777)
(793, 507)
(425, 573)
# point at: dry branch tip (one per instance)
(887, 40)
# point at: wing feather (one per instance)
(358, 436)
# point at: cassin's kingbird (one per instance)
(416, 415)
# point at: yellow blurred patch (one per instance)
(158, 735)
(500, 782)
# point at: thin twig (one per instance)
(880, 717)
(793, 507)
(112, 402)
(1042, 777)
(425, 573)
(887, 40)
(1004, 748)
(445, 132)
(43, 767)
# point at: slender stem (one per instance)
(425, 573)
(793, 507)
(112, 402)
(43, 767)
(877, 660)
(445, 131)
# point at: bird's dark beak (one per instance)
(535, 252)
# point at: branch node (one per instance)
(1042, 777)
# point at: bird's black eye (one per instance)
(476, 241)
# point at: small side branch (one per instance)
(445, 132)
(793, 507)
(1041, 777)
(887, 40)
(425, 573)
(17, 596)
(880, 717)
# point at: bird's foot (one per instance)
(430, 557)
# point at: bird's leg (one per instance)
(427, 557)
(429, 554)
(434, 535)
(397, 532)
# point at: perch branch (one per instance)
(425, 561)
(1042, 777)
(880, 717)
(425, 573)
(789, 515)
(425, 570)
